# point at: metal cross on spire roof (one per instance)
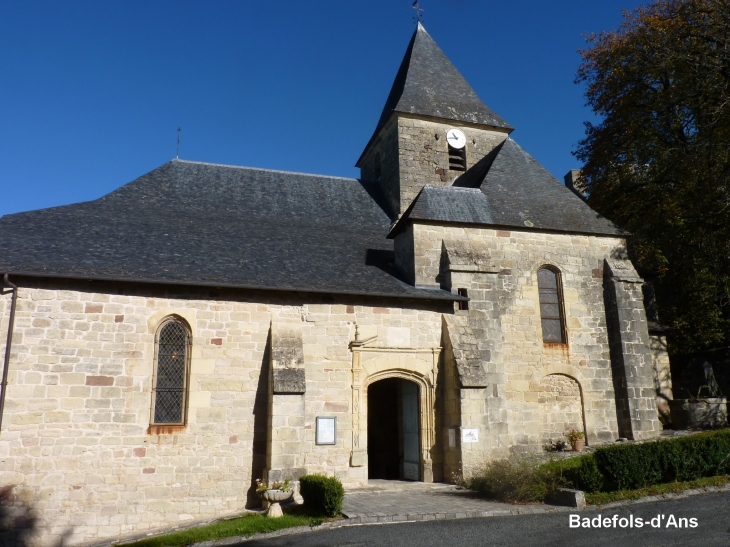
(177, 154)
(416, 6)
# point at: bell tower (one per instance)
(433, 127)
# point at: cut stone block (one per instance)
(567, 497)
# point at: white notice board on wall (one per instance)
(326, 430)
(469, 435)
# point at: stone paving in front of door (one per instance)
(401, 501)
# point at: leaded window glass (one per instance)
(551, 306)
(171, 373)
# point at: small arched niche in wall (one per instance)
(561, 407)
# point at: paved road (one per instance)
(712, 512)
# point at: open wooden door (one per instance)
(411, 428)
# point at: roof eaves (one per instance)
(423, 294)
(514, 228)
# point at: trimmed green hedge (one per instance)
(322, 495)
(630, 466)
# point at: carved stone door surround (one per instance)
(372, 363)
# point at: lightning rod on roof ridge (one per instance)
(177, 153)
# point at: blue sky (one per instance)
(92, 92)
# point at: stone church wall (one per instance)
(505, 300)
(76, 438)
(381, 163)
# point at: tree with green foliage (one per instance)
(658, 163)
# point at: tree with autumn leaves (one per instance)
(658, 163)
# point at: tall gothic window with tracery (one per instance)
(551, 305)
(171, 373)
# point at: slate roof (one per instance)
(516, 192)
(449, 204)
(202, 224)
(427, 83)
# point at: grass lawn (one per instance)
(600, 498)
(242, 526)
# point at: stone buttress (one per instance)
(631, 360)
(287, 387)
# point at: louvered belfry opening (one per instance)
(171, 375)
(457, 158)
(551, 306)
(463, 305)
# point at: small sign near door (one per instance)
(469, 435)
(452, 437)
(326, 430)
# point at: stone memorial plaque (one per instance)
(452, 437)
(469, 435)
(326, 430)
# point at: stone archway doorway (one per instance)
(394, 430)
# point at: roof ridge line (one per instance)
(265, 169)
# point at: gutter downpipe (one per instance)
(6, 364)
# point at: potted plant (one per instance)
(274, 493)
(577, 440)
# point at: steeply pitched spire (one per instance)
(428, 84)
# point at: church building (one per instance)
(207, 325)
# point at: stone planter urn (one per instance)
(274, 497)
(578, 444)
(699, 413)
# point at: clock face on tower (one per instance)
(456, 139)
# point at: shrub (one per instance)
(588, 476)
(609, 468)
(682, 459)
(322, 495)
(697, 456)
(581, 473)
(515, 480)
(629, 465)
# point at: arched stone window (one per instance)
(551, 305)
(170, 387)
